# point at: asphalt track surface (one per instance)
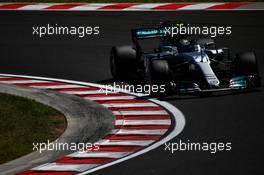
(236, 118)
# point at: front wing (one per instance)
(238, 83)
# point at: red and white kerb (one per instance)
(122, 6)
(138, 124)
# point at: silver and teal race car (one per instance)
(183, 63)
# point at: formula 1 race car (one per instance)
(183, 64)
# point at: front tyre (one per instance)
(246, 65)
(157, 71)
(157, 74)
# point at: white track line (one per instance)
(123, 105)
(142, 112)
(107, 142)
(64, 167)
(99, 154)
(139, 132)
(22, 81)
(109, 97)
(85, 92)
(143, 122)
(58, 86)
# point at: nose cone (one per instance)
(212, 81)
(209, 75)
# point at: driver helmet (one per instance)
(197, 47)
(184, 42)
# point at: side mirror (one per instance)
(210, 45)
(157, 50)
(226, 53)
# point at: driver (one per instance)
(182, 44)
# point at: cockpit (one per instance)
(179, 46)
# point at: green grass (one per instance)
(145, 1)
(23, 122)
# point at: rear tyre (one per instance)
(123, 61)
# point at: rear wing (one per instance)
(147, 33)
